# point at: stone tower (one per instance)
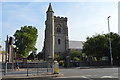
(56, 33)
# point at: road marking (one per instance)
(107, 77)
(83, 76)
(88, 77)
(74, 77)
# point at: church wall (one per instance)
(60, 48)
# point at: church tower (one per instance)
(49, 34)
(56, 35)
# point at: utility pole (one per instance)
(110, 46)
(6, 60)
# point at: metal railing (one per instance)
(31, 68)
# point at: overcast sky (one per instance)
(84, 18)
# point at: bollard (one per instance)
(56, 67)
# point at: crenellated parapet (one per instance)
(58, 18)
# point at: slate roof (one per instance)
(76, 44)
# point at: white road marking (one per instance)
(74, 77)
(87, 77)
(107, 77)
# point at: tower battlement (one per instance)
(60, 18)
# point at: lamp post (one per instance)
(110, 47)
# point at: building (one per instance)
(56, 35)
(76, 45)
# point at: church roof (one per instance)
(50, 8)
(76, 44)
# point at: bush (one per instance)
(61, 63)
(76, 59)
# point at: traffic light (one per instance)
(15, 49)
(10, 41)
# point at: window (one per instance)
(58, 28)
(59, 41)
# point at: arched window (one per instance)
(59, 28)
(59, 41)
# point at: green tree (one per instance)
(56, 56)
(3, 52)
(25, 40)
(115, 41)
(76, 58)
(32, 55)
(75, 55)
(98, 45)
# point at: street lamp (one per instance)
(110, 47)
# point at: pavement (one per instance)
(95, 67)
(31, 76)
(21, 74)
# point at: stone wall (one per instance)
(93, 63)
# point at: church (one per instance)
(56, 40)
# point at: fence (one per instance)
(31, 68)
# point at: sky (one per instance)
(119, 18)
(84, 18)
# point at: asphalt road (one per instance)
(91, 73)
(81, 74)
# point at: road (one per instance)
(91, 73)
(81, 74)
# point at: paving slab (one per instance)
(31, 76)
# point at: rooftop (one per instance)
(76, 44)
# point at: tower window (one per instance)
(59, 41)
(58, 28)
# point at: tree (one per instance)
(32, 55)
(98, 45)
(56, 56)
(115, 41)
(25, 40)
(75, 55)
(40, 56)
(76, 59)
(3, 52)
